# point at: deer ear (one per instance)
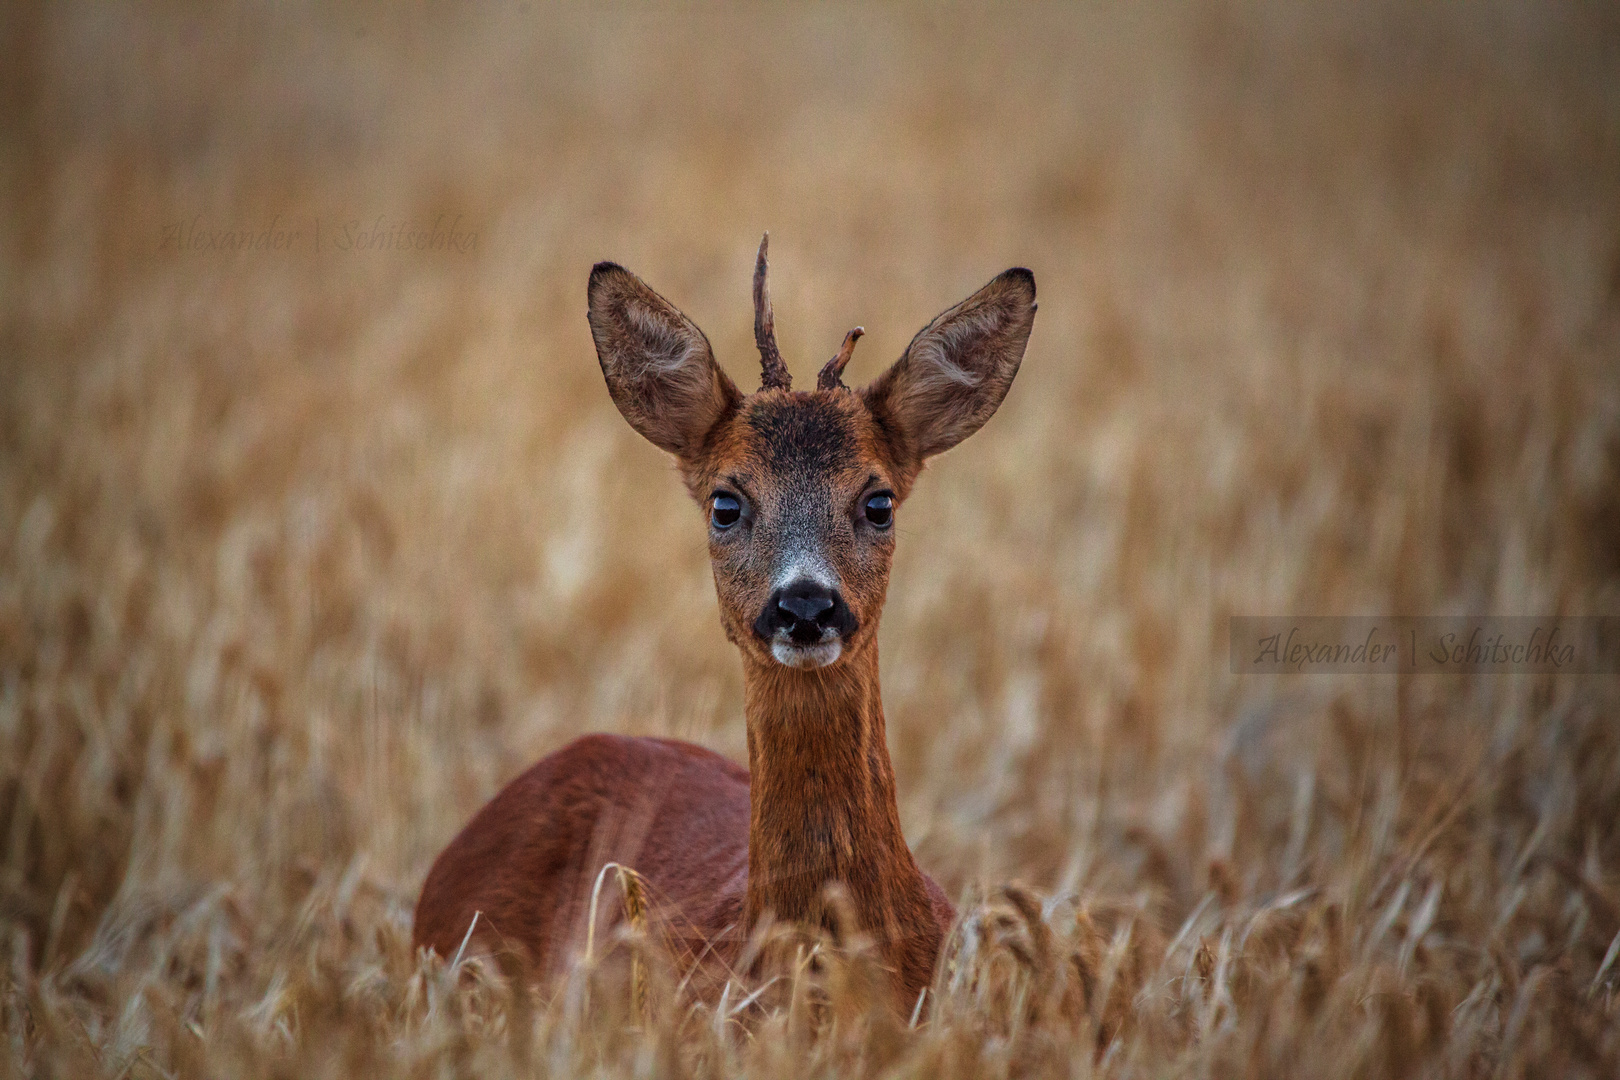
(659, 368)
(957, 369)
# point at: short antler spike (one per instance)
(774, 371)
(832, 376)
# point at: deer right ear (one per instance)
(659, 368)
(957, 369)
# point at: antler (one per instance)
(831, 377)
(775, 373)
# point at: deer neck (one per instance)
(822, 797)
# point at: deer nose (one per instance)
(806, 606)
(805, 611)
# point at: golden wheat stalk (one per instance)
(635, 913)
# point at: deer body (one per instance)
(800, 489)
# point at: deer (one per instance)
(800, 491)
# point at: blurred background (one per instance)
(317, 524)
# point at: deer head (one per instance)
(801, 489)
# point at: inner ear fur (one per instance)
(956, 371)
(659, 367)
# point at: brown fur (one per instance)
(721, 848)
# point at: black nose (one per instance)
(805, 609)
(807, 605)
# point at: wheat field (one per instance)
(317, 524)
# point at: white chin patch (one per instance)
(806, 657)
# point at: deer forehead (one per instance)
(797, 449)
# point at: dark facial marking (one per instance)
(802, 435)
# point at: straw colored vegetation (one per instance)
(305, 551)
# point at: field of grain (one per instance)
(317, 524)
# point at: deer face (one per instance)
(801, 490)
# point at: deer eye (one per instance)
(880, 509)
(726, 511)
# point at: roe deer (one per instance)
(801, 491)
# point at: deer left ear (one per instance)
(956, 371)
(659, 368)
